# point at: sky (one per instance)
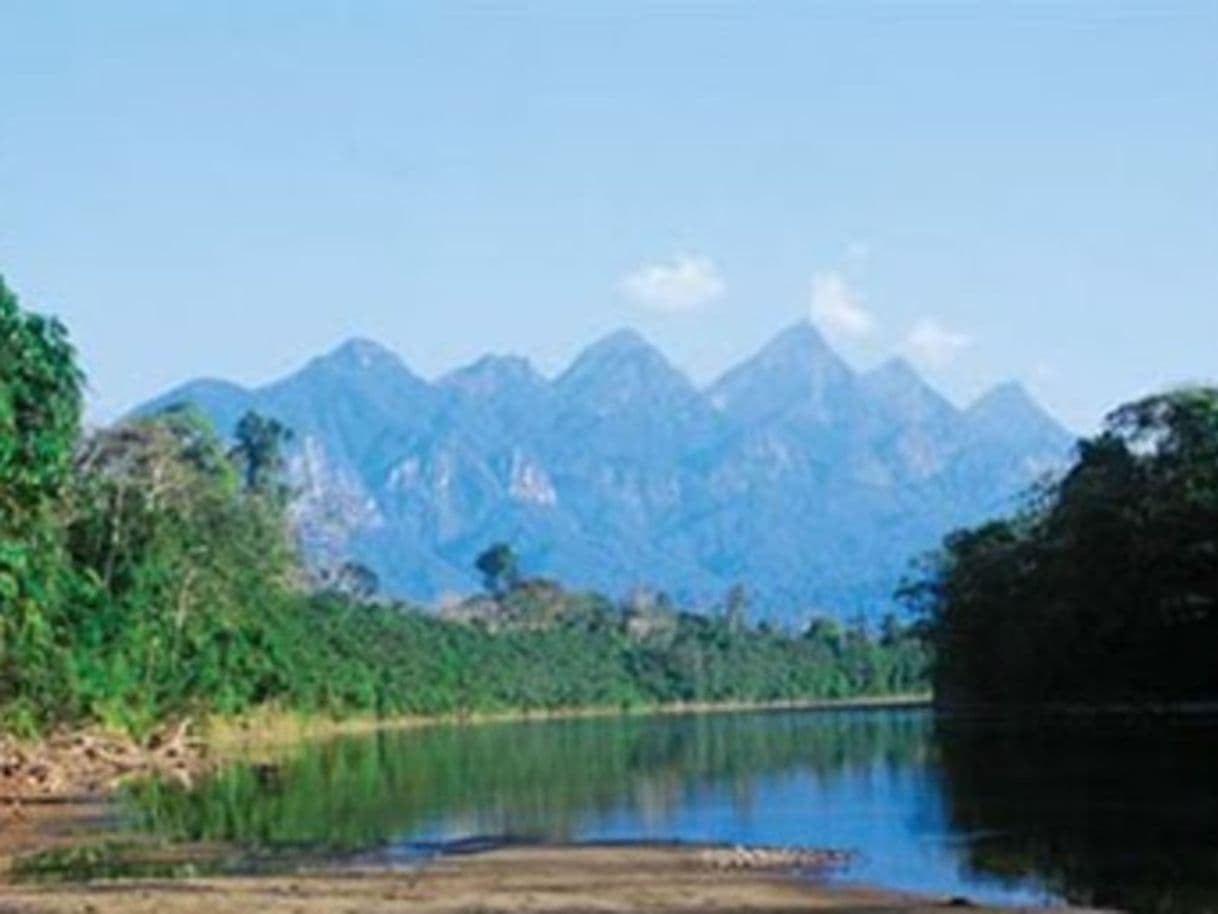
(995, 190)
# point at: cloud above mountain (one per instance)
(933, 345)
(837, 308)
(686, 282)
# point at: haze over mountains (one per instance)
(810, 483)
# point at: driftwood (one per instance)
(741, 857)
(90, 763)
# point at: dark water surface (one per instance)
(1114, 811)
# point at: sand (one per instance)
(623, 878)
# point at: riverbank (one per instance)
(89, 763)
(272, 729)
(512, 880)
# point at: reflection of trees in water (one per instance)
(528, 778)
(1106, 812)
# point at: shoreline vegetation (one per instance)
(1103, 590)
(87, 765)
(262, 731)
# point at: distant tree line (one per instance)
(1104, 587)
(147, 571)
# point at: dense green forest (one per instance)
(1104, 588)
(147, 571)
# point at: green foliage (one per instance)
(341, 657)
(499, 567)
(40, 406)
(180, 566)
(259, 454)
(1105, 588)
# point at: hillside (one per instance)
(809, 482)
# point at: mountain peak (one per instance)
(357, 365)
(897, 382)
(796, 367)
(361, 352)
(622, 367)
(615, 352)
(493, 373)
(896, 370)
(1007, 397)
(800, 338)
(622, 341)
(1008, 411)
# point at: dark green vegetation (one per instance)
(1105, 587)
(148, 571)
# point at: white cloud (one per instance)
(837, 308)
(685, 283)
(932, 344)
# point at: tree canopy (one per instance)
(1105, 586)
(499, 567)
(40, 409)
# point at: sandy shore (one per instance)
(516, 880)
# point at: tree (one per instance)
(1105, 586)
(355, 580)
(735, 607)
(40, 408)
(184, 567)
(499, 567)
(259, 453)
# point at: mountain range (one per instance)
(812, 484)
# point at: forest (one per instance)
(148, 572)
(1103, 588)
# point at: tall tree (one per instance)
(259, 453)
(735, 607)
(40, 409)
(499, 567)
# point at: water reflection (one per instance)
(537, 779)
(1113, 812)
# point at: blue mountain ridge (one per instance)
(812, 484)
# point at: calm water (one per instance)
(1115, 812)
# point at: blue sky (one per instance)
(998, 190)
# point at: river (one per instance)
(1108, 810)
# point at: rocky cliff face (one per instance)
(812, 484)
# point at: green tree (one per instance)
(259, 453)
(353, 579)
(735, 607)
(499, 567)
(1105, 586)
(186, 569)
(40, 408)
